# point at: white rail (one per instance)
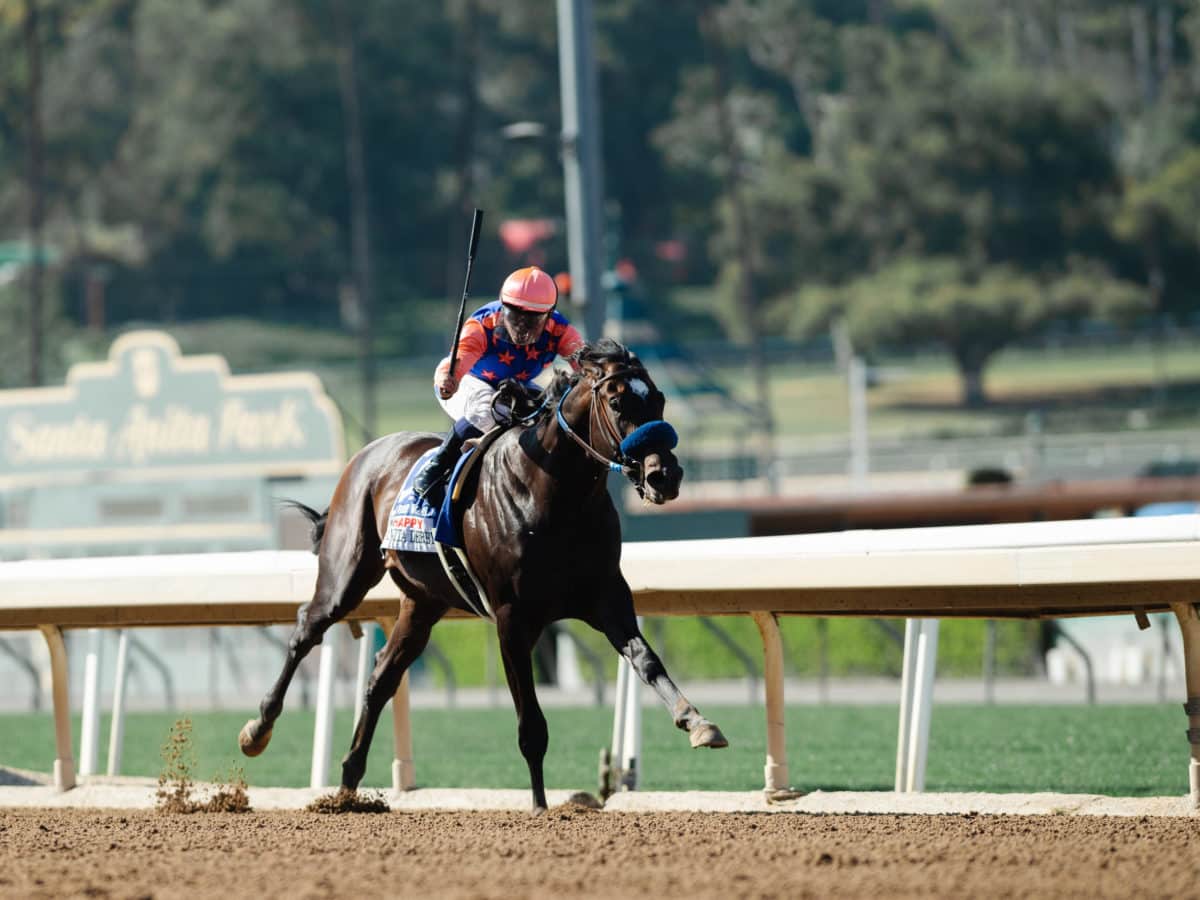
(1027, 570)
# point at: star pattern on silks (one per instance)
(523, 376)
(553, 345)
(488, 374)
(506, 358)
(532, 352)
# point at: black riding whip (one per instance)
(476, 221)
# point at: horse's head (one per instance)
(626, 418)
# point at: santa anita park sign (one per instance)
(151, 450)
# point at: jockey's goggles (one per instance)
(524, 320)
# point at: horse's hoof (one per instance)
(537, 811)
(250, 741)
(707, 735)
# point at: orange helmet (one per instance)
(529, 289)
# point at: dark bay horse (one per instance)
(541, 533)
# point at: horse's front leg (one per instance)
(616, 619)
(404, 645)
(347, 570)
(516, 645)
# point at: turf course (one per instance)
(1113, 750)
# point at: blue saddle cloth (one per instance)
(415, 523)
(448, 529)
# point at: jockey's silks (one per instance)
(483, 348)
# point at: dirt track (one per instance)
(573, 852)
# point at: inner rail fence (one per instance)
(1128, 566)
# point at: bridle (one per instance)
(657, 433)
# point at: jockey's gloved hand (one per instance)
(445, 384)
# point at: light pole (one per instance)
(579, 146)
(582, 180)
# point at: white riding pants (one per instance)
(472, 401)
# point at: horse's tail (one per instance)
(317, 519)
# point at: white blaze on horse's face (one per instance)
(639, 387)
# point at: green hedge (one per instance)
(855, 647)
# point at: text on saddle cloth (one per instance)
(412, 521)
(416, 523)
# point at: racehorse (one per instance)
(540, 532)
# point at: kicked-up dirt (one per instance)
(578, 852)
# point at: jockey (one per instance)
(518, 335)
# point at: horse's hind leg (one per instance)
(349, 567)
(404, 645)
(619, 624)
(516, 645)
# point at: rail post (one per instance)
(89, 727)
(116, 727)
(1189, 624)
(323, 726)
(775, 772)
(916, 703)
(64, 762)
(907, 682)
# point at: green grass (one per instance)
(853, 647)
(1113, 750)
(1075, 389)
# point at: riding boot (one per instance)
(442, 464)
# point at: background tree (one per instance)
(1158, 219)
(972, 312)
(195, 157)
(974, 192)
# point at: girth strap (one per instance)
(458, 570)
(454, 560)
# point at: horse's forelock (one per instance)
(605, 350)
(608, 351)
(598, 354)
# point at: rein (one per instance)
(630, 467)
